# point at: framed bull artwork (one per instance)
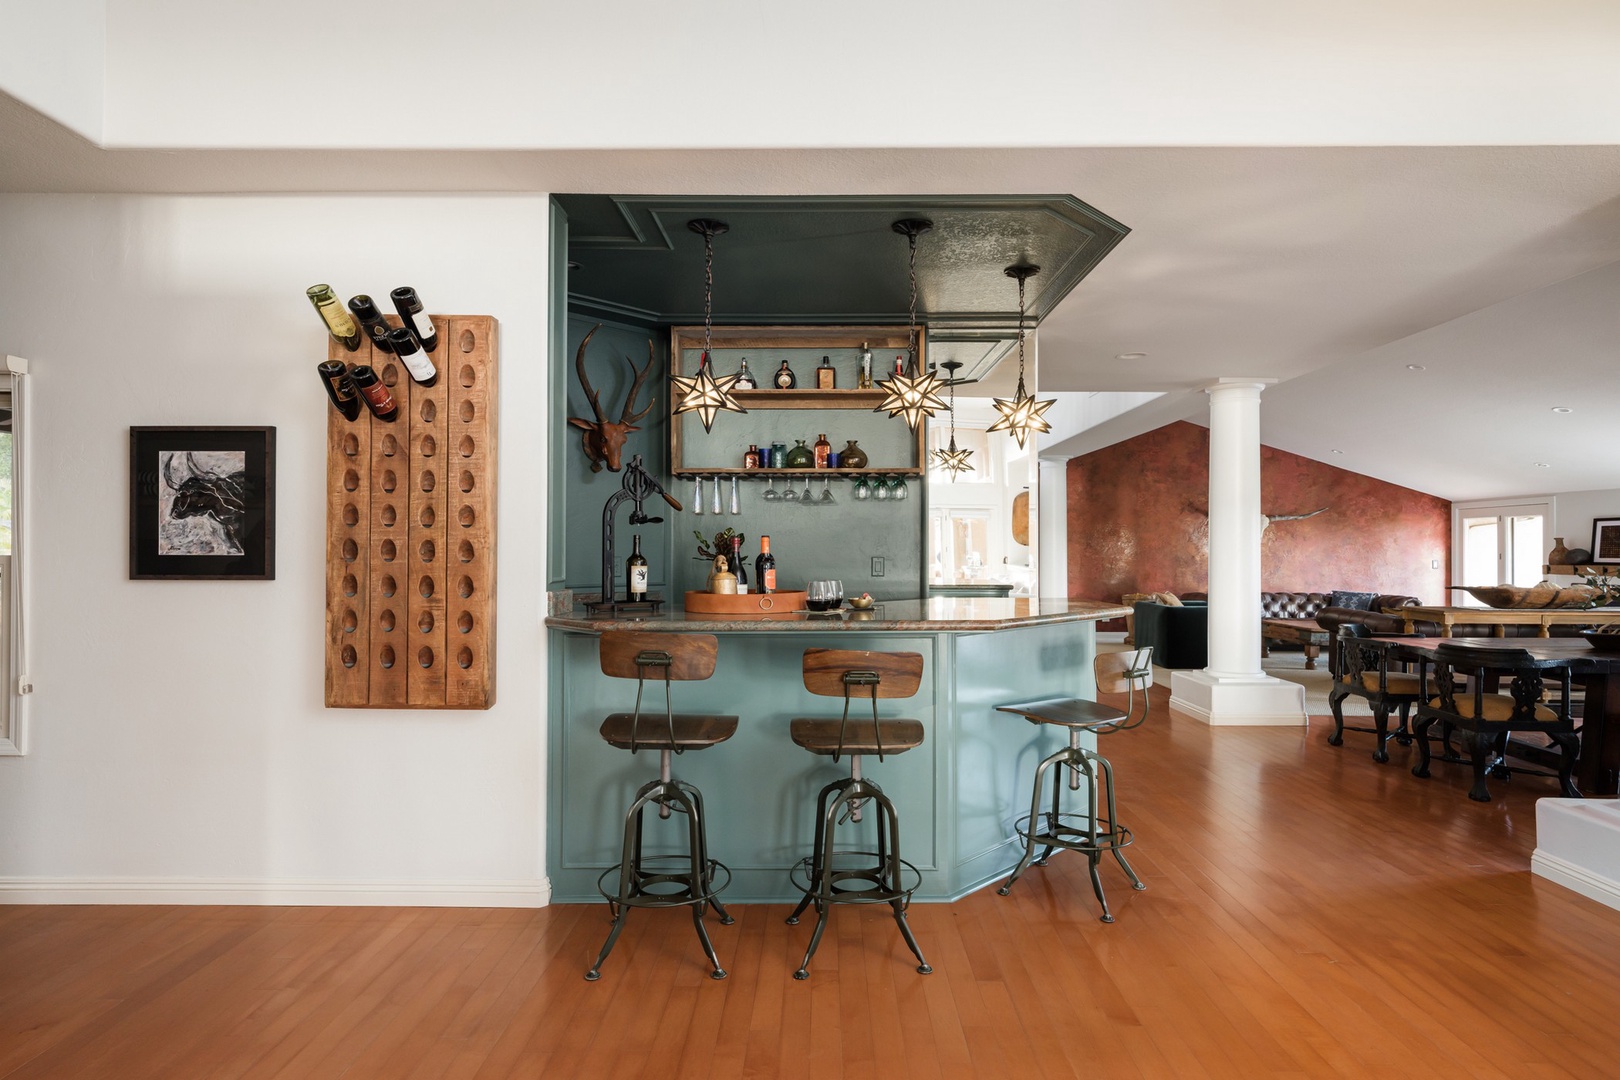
(202, 503)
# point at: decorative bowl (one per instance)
(1544, 595)
(1603, 641)
(862, 603)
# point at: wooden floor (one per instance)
(1308, 913)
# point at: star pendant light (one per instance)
(706, 393)
(952, 460)
(913, 394)
(1022, 415)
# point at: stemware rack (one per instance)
(410, 532)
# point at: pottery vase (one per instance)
(1559, 555)
(852, 457)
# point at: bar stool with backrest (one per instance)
(687, 879)
(1489, 717)
(831, 875)
(1373, 670)
(1091, 833)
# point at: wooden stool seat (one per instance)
(693, 731)
(1066, 712)
(830, 736)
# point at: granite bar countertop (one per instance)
(935, 614)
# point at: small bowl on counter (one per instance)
(862, 603)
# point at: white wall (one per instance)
(643, 73)
(179, 746)
(53, 56)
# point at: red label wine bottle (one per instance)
(417, 362)
(371, 321)
(765, 567)
(335, 377)
(378, 398)
(411, 314)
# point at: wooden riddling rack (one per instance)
(410, 532)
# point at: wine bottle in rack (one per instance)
(335, 377)
(765, 567)
(371, 321)
(738, 561)
(374, 392)
(636, 572)
(417, 362)
(409, 306)
(337, 321)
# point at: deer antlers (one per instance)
(604, 438)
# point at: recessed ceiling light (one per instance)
(1338, 451)
(1542, 465)
(1562, 409)
(1416, 367)
(1131, 356)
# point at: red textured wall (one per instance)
(1138, 523)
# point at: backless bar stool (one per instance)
(1088, 833)
(829, 876)
(660, 881)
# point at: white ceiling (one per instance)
(1304, 265)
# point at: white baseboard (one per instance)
(514, 894)
(1565, 873)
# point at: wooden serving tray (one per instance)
(781, 602)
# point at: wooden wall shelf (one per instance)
(410, 532)
(835, 474)
(1585, 570)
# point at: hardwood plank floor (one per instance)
(1309, 914)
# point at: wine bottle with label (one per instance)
(765, 567)
(745, 378)
(785, 379)
(409, 306)
(338, 323)
(371, 321)
(739, 563)
(417, 362)
(826, 375)
(374, 392)
(636, 571)
(335, 377)
(865, 380)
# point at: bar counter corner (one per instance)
(957, 795)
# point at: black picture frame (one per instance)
(202, 503)
(1606, 534)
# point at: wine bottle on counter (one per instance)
(409, 306)
(739, 563)
(765, 567)
(417, 362)
(865, 381)
(636, 571)
(337, 321)
(826, 375)
(335, 377)
(745, 378)
(371, 321)
(785, 379)
(378, 398)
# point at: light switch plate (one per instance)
(877, 566)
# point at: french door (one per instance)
(1499, 545)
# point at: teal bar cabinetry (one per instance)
(956, 796)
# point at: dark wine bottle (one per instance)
(411, 314)
(378, 398)
(739, 564)
(765, 567)
(335, 377)
(371, 321)
(636, 571)
(417, 363)
(337, 321)
(785, 379)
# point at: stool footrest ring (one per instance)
(1060, 834)
(689, 894)
(803, 877)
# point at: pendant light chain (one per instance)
(1020, 336)
(911, 339)
(708, 292)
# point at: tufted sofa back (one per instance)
(1292, 605)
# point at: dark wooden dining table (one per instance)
(1597, 770)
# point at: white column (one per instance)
(1233, 689)
(1053, 571)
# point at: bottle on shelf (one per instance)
(821, 450)
(765, 567)
(745, 378)
(801, 456)
(852, 457)
(378, 398)
(899, 365)
(335, 377)
(751, 457)
(338, 323)
(740, 563)
(409, 306)
(418, 363)
(371, 321)
(865, 380)
(636, 571)
(826, 376)
(785, 379)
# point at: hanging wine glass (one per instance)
(882, 492)
(826, 491)
(714, 507)
(862, 492)
(900, 493)
(770, 494)
(807, 497)
(736, 501)
(697, 495)
(791, 494)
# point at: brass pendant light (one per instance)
(914, 394)
(705, 393)
(1022, 415)
(952, 460)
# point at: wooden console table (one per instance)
(1501, 618)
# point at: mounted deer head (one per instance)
(604, 438)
